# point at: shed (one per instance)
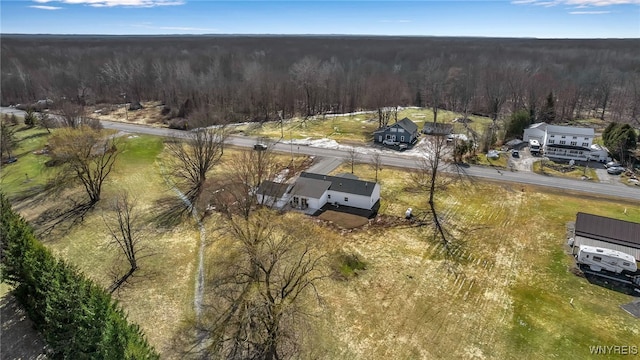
(609, 233)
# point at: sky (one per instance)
(499, 18)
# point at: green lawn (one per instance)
(29, 171)
(576, 173)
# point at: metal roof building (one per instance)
(604, 232)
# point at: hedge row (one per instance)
(78, 319)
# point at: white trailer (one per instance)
(599, 259)
(534, 147)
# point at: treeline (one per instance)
(240, 78)
(77, 318)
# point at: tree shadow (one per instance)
(60, 219)
(170, 212)
(19, 338)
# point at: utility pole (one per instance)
(126, 113)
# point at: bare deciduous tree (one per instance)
(353, 156)
(193, 158)
(258, 289)
(85, 155)
(126, 230)
(376, 163)
(236, 192)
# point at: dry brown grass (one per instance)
(343, 220)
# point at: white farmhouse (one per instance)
(564, 142)
(568, 142)
(313, 191)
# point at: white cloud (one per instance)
(123, 3)
(576, 3)
(45, 7)
(589, 12)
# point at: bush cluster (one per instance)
(78, 319)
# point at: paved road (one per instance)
(402, 161)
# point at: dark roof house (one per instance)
(342, 184)
(404, 131)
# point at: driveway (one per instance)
(607, 178)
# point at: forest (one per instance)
(260, 78)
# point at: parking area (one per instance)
(524, 161)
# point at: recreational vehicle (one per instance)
(599, 259)
(534, 147)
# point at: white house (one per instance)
(564, 142)
(273, 194)
(535, 132)
(313, 191)
(568, 142)
(599, 153)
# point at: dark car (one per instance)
(260, 147)
(515, 153)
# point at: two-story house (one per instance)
(563, 142)
(404, 131)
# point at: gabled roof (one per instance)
(541, 126)
(570, 130)
(608, 230)
(406, 123)
(343, 184)
(270, 188)
(309, 187)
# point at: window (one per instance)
(394, 130)
(328, 196)
(575, 137)
(563, 136)
(400, 130)
(552, 141)
(346, 199)
(402, 138)
(585, 144)
(597, 258)
(573, 143)
(562, 142)
(553, 136)
(625, 264)
(587, 139)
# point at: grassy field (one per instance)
(551, 168)
(509, 296)
(28, 171)
(509, 299)
(354, 128)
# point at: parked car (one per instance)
(615, 170)
(612, 164)
(260, 147)
(403, 147)
(515, 153)
(390, 142)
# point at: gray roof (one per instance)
(408, 125)
(541, 125)
(609, 230)
(343, 184)
(270, 188)
(570, 130)
(309, 187)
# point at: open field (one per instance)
(352, 128)
(507, 296)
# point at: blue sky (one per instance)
(501, 18)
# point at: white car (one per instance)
(390, 142)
